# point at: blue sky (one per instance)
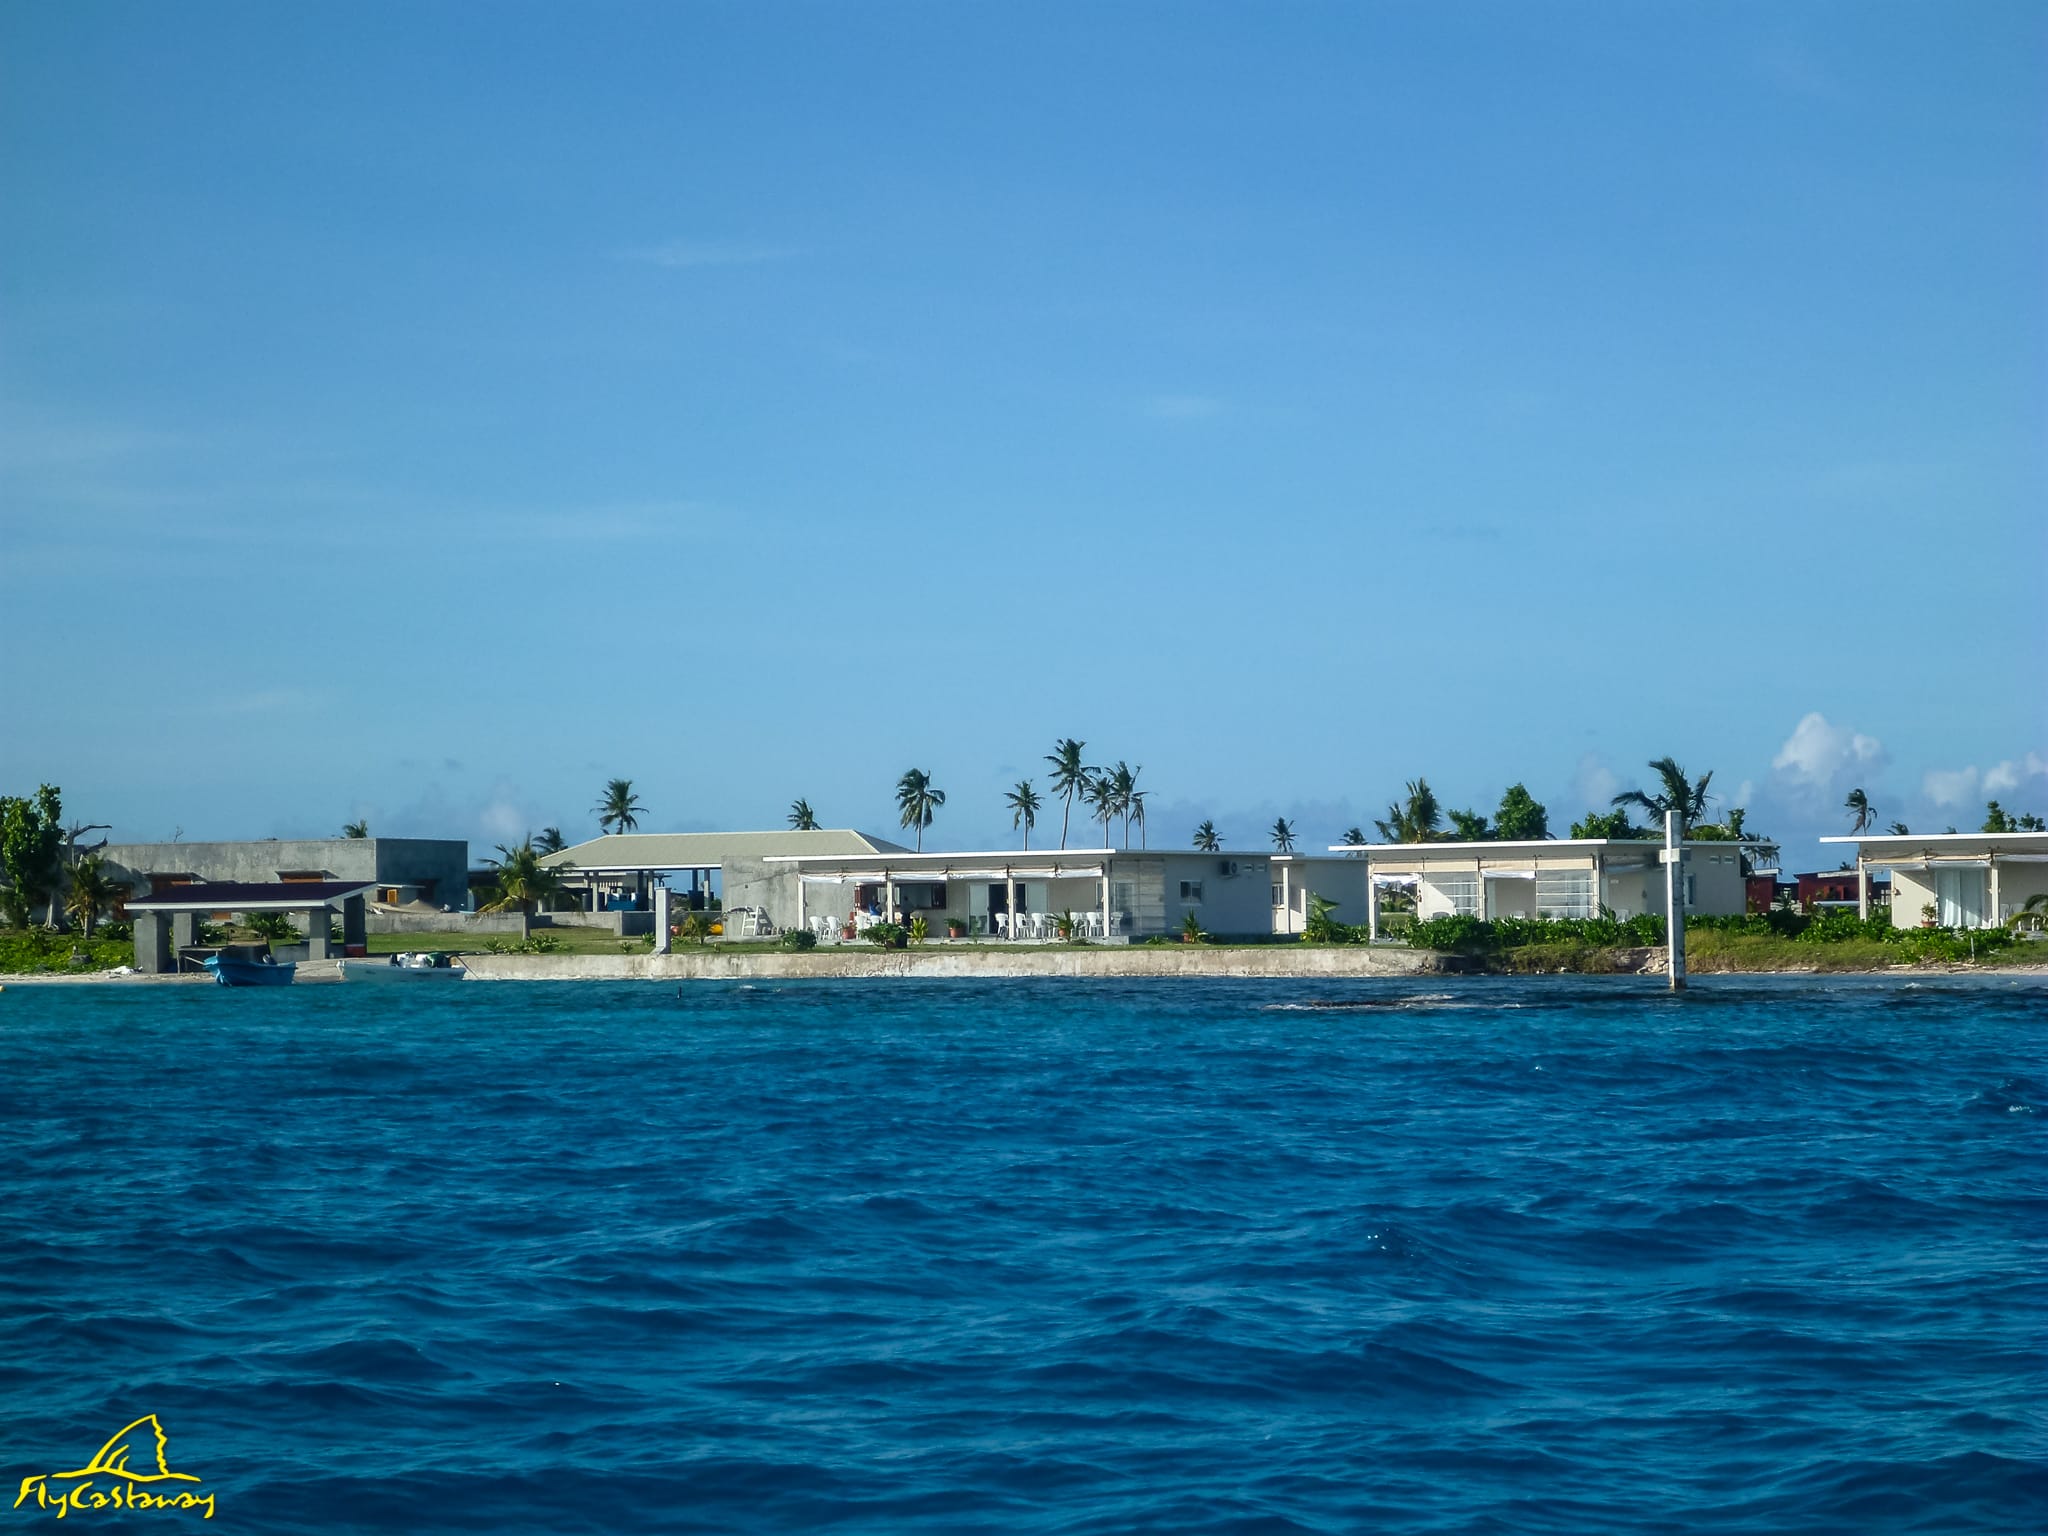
(427, 412)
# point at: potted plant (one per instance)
(1065, 926)
(956, 927)
(1928, 915)
(920, 930)
(1190, 929)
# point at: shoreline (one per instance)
(1257, 962)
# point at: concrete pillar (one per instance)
(1372, 907)
(803, 906)
(355, 928)
(1010, 896)
(1997, 916)
(1674, 896)
(1862, 889)
(184, 930)
(318, 945)
(152, 944)
(1286, 898)
(661, 937)
(888, 898)
(1105, 898)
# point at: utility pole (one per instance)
(1673, 858)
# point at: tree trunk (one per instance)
(525, 922)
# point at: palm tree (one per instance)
(1206, 840)
(93, 890)
(1023, 804)
(1354, 837)
(1415, 821)
(916, 799)
(1123, 784)
(619, 810)
(1678, 794)
(1858, 804)
(1283, 836)
(523, 883)
(1735, 819)
(549, 841)
(800, 817)
(1138, 815)
(355, 829)
(1100, 793)
(1070, 776)
(1899, 829)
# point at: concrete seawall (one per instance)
(943, 963)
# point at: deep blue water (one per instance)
(1551, 1255)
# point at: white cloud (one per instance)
(2010, 774)
(708, 253)
(1950, 787)
(1819, 755)
(1182, 407)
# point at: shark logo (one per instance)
(64, 1493)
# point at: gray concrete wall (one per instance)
(388, 860)
(1162, 961)
(624, 924)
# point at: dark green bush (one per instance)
(799, 938)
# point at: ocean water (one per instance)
(1548, 1255)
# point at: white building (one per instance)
(1117, 894)
(1958, 879)
(1554, 877)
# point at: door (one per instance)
(1959, 898)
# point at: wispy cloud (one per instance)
(1182, 407)
(1953, 787)
(708, 253)
(1950, 787)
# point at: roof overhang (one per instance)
(269, 896)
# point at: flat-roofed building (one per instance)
(398, 871)
(1554, 877)
(1953, 879)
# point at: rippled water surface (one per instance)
(1538, 1256)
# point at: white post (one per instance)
(1674, 896)
(1997, 916)
(1372, 906)
(888, 897)
(1862, 888)
(1010, 901)
(1105, 898)
(803, 918)
(1286, 899)
(661, 919)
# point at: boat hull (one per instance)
(230, 972)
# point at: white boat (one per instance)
(420, 965)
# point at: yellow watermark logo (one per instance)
(108, 1482)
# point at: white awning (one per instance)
(1511, 874)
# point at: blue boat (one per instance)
(249, 970)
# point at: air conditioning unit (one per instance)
(1227, 868)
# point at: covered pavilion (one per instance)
(167, 922)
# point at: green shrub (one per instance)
(799, 938)
(885, 935)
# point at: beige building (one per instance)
(1555, 877)
(1954, 879)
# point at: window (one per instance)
(1123, 895)
(1457, 894)
(1191, 890)
(1689, 879)
(1564, 893)
(1276, 895)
